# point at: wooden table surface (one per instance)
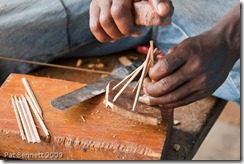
(195, 119)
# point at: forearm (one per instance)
(229, 30)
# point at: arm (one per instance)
(196, 67)
(113, 19)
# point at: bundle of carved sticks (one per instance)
(26, 124)
(147, 64)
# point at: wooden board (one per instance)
(104, 136)
(151, 115)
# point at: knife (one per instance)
(91, 90)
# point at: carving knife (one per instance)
(91, 90)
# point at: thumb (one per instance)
(162, 7)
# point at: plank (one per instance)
(103, 136)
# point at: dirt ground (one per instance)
(223, 141)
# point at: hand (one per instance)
(192, 70)
(113, 19)
(196, 67)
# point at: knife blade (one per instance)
(91, 90)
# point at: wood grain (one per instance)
(104, 136)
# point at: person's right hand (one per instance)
(113, 19)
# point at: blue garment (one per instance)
(44, 30)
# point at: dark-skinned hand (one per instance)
(193, 70)
(196, 67)
(113, 19)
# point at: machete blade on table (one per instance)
(91, 90)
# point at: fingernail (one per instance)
(163, 9)
(144, 99)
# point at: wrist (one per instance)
(228, 31)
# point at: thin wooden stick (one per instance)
(22, 133)
(32, 96)
(106, 95)
(23, 119)
(54, 65)
(27, 120)
(83, 119)
(148, 66)
(142, 77)
(152, 52)
(37, 115)
(31, 121)
(128, 82)
(127, 77)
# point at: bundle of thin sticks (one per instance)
(148, 63)
(26, 124)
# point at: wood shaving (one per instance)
(99, 65)
(79, 63)
(133, 57)
(83, 118)
(176, 147)
(90, 65)
(176, 122)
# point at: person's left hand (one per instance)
(192, 70)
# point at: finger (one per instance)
(162, 7)
(167, 83)
(185, 101)
(165, 66)
(171, 97)
(95, 26)
(108, 23)
(123, 18)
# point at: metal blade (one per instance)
(91, 90)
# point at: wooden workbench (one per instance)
(195, 119)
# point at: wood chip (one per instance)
(79, 63)
(102, 76)
(176, 122)
(91, 65)
(124, 61)
(176, 147)
(99, 65)
(133, 57)
(83, 118)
